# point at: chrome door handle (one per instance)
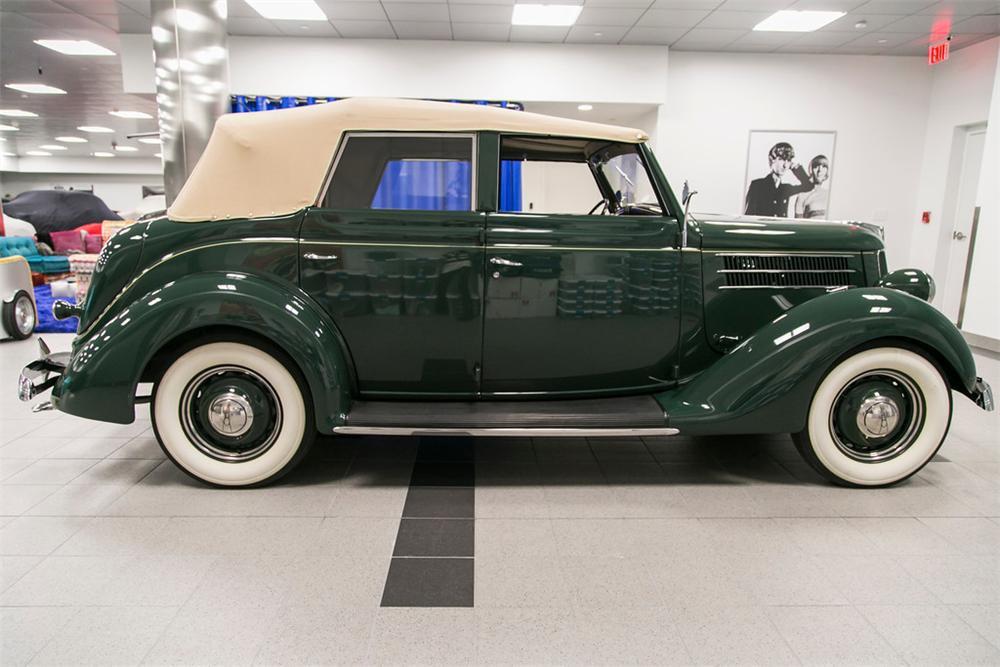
(958, 236)
(504, 262)
(312, 255)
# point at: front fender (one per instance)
(101, 378)
(766, 384)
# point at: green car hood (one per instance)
(719, 232)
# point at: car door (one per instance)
(395, 256)
(577, 301)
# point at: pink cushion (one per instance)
(68, 242)
(93, 243)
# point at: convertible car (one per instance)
(394, 267)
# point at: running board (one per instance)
(628, 416)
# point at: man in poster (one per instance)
(769, 194)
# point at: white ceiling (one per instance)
(893, 27)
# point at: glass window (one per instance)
(405, 172)
(629, 180)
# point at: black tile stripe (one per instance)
(433, 559)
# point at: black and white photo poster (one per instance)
(789, 174)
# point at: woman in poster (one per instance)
(814, 204)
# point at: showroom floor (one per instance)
(715, 550)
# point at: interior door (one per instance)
(580, 303)
(962, 233)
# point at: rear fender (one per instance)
(766, 384)
(101, 378)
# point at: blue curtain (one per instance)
(425, 185)
(510, 185)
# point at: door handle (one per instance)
(500, 261)
(312, 255)
(958, 236)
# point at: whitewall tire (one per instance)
(876, 418)
(232, 414)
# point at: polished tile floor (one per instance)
(687, 551)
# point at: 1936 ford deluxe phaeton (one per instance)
(364, 267)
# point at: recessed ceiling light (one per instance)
(150, 140)
(130, 114)
(38, 153)
(126, 149)
(36, 88)
(17, 113)
(585, 107)
(75, 47)
(861, 25)
(288, 10)
(94, 128)
(103, 154)
(545, 15)
(53, 147)
(882, 41)
(158, 154)
(598, 34)
(72, 140)
(7, 128)
(789, 20)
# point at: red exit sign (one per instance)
(937, 53)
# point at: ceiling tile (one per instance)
(826, 5)
(893, 6)
(488, 32)
(963, 7)
(509, 3)
(639, 35)
(33, 6)
(531, 33)
(422, 29)
(416, 11)
(884, 40)
(641, 4)
(354, 11)
(733, 20)
(872, 22)
(306, 28)
(621, 16)
(255, 27)
(772, 39)
(139, 6)
(707, 36)
(824, 38)
(480, 13)
(596, 34)
(686, 4)
(240, 9)
(769, 6)
(907, 50)
(85, 6)
(745, 47)
(980, 24)
(921, 23)
(365, 29)
(672, 18)
(61, 21)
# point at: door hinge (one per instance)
(477, 372)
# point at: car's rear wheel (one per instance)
(876, 418)
(19, 316)
(232, 414)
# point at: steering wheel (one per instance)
(603, 202)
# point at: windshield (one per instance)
(627, 177)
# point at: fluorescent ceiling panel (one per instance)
(103, 154)
(38, 153)
(72, 140)
(126, 149)
(75, 47)
(52, 147)
(17, 113)
(7, 128)
(36, 88)
(288, 10)
(788, 20)
(545, 15)
(130, 114)
(150, 140)
(95, 129)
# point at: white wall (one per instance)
(445, 70)
(121, 192)
(982, 307)
(876, 104)
(961, 89)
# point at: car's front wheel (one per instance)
(876, 418)
(19, 316)
(232, 414)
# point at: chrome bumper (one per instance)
(982, 394)
(41, 374)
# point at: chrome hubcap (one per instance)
(24, 315)
(877, 416)
(231, 414)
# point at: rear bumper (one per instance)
(42, 374)
(982, 394)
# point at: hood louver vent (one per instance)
(821, 271)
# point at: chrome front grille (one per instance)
(820, 271)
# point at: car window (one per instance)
(561, 175)
(403, 172)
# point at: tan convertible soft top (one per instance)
(275, 162)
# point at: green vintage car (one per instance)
(407, 267)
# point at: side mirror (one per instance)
(686, 196)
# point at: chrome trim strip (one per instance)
(536, 246)
(721, 287)
(786, 271)
(169, 256)
(530, 432)
(361, 244)
(806, 253)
